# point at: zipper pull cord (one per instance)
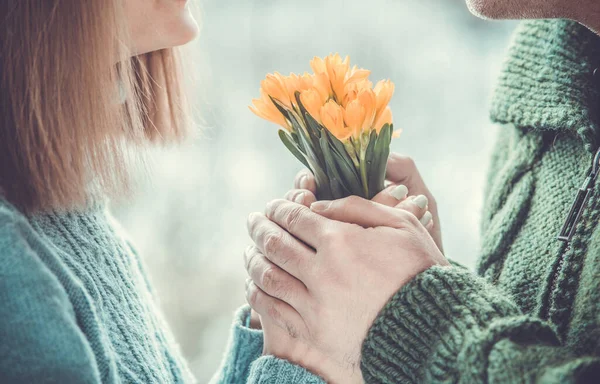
(583, 194)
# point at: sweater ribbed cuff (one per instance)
(245, 345)
(271, 370)
(426, 325)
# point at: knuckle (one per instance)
(270, 280)
(293, 217)
(405, 161)
(249, 255)
(272, 242)
(253, 222)
(274, 312)
(330, 234)
(349, 201)
(291, 194)
(408, 217)
(252, 296)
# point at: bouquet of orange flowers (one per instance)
(335, 122)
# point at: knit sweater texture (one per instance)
(531, 310)
(75, 305)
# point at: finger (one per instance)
(254, 320)
(301, 196)
(306, 180)
(298, 220)
(281, 248)
(402, 170)
(275, 311)
(417, 205)
(392, 195)
(366, 213)
(427, 221)
(274, 281)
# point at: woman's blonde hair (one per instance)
(66, 133)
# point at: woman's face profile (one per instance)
(159, 24)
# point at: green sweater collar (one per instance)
(547, 82)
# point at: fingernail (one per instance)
(300, 198)
(421, 201)
(320, 206)
(426, 219)
(400, 192)
(303, 182)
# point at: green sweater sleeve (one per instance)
(40, 340)
(449, 325)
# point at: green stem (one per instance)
(363, 176)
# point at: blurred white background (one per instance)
(188, 221)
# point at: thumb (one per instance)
(366, 213)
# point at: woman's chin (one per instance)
(187, 29)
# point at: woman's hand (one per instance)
(323, 280)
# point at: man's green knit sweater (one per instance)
(531, 313)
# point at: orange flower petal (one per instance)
(312, 101)
(384, 118)
(384, 90)
(332, 117)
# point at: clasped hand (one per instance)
(320, 272)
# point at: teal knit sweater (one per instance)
(531, 312)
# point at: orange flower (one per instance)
(265, 109)
(384, 91)
(332, 117)
(338, 73)
(356, 75)
(295, 83)
(322, 85)
(338, 96)
(337, 70)
(274, 85)
(354, 116)
(352, 89)
(385, 117)
(367, 99)
(313, 101)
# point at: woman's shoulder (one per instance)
(21, 264)
(15, 231)
(36, 315)
(25, 276)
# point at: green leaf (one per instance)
(284, 111)
(322, 181)
(347, 171)
(372, 160)
(286, 139)
(316, 128)
(335, 180)
(339, 148)
(298, 142)
(313, 127)
(380, 154)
